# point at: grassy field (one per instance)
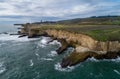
(105, 35)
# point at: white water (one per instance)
(67, 69)
(92, 59)
(116, 71)
(45, 42)
(52, 53)
(96, 60)
(31, 62)
(37, 54)
(2, 68)
(7, 37)
(47, 59)
(55, 42)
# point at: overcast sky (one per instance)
(19, 11)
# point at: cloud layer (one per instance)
(35, 10)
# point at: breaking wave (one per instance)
(67, 69)
(31, 62)
(47, 41)
(93, 59)
(44, 41)
(96, 60)
(7, 37)
(55, 42)
(52, 53)
(116, 71)
(2, 68)
(47, 59)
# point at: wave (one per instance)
(47, 59)
(93, 59)
(96, 60)
(116, 71)
(52, 53)
(46, 41)
(2, 68)
(67, 69)
(31, 62)
(37, 54)
(55, 42)
(117, 60)
(7, 37)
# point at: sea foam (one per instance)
(117, 60)
(52, 53)
(31, 62)
(44, 41)
(2, 68)
(55, 42)
(67, 69)
(7, 37)
(47, 59)
(116, 71)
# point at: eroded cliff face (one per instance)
(85, 41)
(85, 46)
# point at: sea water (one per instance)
(35, 58)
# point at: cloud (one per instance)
(33, 10)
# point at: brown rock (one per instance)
(64, 46)
(74, 59)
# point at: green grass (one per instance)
(105, 35)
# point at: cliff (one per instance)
(84, 46)
(85, 41)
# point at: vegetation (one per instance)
(102, 28)
(98, 32)
(105, 35)
(94, 20)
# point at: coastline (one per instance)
(85, 46)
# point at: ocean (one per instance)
(34, 58)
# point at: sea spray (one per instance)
(31, 62)
(116, 71)
(67, 69)
(52, 54)
(7, 37)
(2, 68)
(47, 59)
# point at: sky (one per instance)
(22, 11)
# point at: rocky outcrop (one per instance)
(85, 41)
(81, 54)
(63, 47)
(85, 46)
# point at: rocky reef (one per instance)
(84, 46)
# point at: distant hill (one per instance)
(94, 20)
(97, 20)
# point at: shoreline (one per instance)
(85, 46)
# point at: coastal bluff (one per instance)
(84, 46)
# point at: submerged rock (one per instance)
(22, 35)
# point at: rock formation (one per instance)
(84, 45)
